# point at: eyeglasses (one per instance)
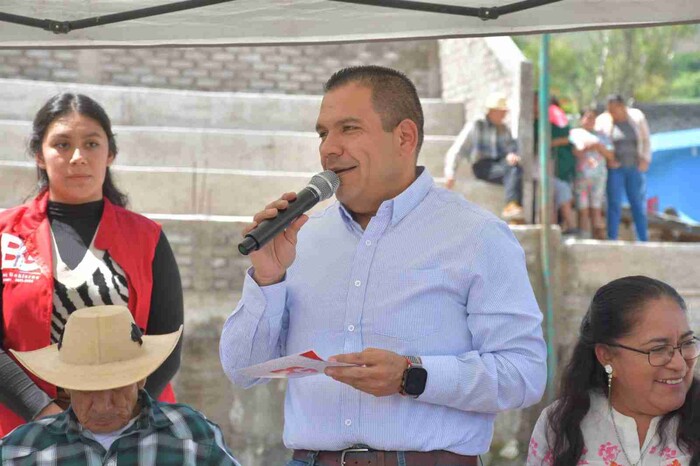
(662, 355)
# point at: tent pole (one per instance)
(544, 137)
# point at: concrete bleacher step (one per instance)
(214, 148)
(178, 191)
(134, 106)
(208, 191)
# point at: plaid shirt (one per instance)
(163, 434)
(480, 140)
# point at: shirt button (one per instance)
(351, 328)
(368, 243)
(348, 422)
(358, 283)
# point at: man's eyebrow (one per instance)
(666, 340)
(342, 122)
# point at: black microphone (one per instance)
(321, 187)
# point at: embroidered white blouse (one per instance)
(602, 447)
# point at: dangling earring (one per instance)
(609, 370)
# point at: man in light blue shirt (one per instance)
(427, 293)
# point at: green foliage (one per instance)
(638, 63)
(686, 82)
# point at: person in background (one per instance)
(560, 151)
(595, 153)
(103, 361)
(488, 143)
(628, 129)
(75, 245)
(628, 394)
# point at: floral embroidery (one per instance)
(675, 463)
(668, 454)
(532, 451)
(583, 461)
(609, 453)
(548, 458)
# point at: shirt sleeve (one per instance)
(220, 454)
(256, 330)
(644, 139)
(506, 368)
(17, 391)
(166, 314)
(511, 145)
(460, 148)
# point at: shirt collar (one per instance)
(150, 417)
(399, 206)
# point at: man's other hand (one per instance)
(380, 372)
(512, 159)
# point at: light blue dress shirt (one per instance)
(432, 275)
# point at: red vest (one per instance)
(27, 274)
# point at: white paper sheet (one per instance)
(298, 365)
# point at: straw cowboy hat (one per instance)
(496, 101)
(101, 348)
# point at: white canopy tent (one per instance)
(258, 22)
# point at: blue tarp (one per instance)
(674, 175)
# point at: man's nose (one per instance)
(102, 400)
(330, 145)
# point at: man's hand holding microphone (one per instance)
(272, 237)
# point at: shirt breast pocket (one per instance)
(410, 304)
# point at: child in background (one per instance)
(594, 152)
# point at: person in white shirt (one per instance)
(628, 395)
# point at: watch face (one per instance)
(416, 379)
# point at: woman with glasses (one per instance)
(628, 395)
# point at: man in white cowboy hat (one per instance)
(489, 145)
(102, 360)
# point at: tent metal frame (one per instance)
(65, 27)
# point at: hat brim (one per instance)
(46, 364)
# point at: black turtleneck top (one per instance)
(74, 227)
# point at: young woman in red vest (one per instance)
(75, 245)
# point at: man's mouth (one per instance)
(342, 170)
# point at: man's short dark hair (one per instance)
(394, 97)
(616, 99)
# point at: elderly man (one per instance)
(425, 294)
(102, 360)
(488, 143)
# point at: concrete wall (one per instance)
(279, 69)
(671, 116)
(252, 419)
(471, 69)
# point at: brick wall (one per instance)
(278, 69)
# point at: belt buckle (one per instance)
(352, 449)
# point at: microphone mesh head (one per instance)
(327, 183)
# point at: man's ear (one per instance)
(407, 133)
(39, 157)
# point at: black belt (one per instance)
(362, 456)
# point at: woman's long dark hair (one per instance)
(611, 315)
(65, 104)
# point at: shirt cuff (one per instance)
(443, 372)
(262, 299)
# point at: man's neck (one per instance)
(363, 218)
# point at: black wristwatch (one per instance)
(414, 377)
